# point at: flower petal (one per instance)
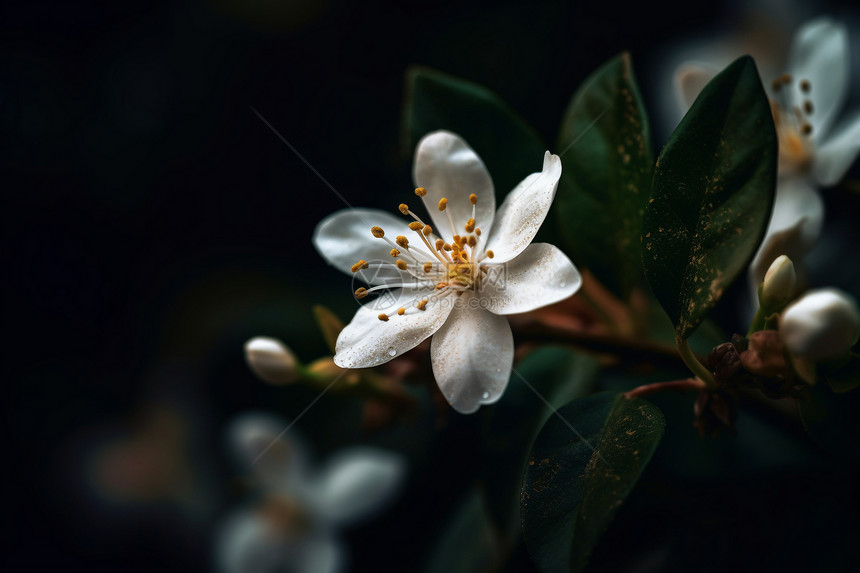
(447, 167)
(246, 543)
(836, 154)
(368, 341)
(524, 210)
(356, 482)
(539, 276)
(690, 79)
(794, 227)
(321, 553)
(344, 238)
(472, 355)
(820, 54)
(257, 441)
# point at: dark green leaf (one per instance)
(557, 375)
(606, 176)
(509, 147)
(577, 480)
(842, 378)
(711, 197)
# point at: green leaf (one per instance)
(842, 378)
(711, 197)
(577, 480)
(556, 375)
(509, 147)
(606, 176)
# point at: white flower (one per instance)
(293, 525)
(813, 151)
(779, 283)
(822, 325)
(455, 280)
(271, 360)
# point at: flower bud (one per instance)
(271, 360)
(824, 324)
(779, 284)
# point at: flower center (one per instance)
(442, 267)
(793, 129)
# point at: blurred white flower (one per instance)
(823, 324)
(458, 279)
(779, 284)
(814, 150)
(293, 524)
(271, 360)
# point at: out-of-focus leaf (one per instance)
(468, 543)
(329, 324)
(606, 176)
(509, 147)
(547, 378)
(711, 196)
(843, 378)
(580, 471)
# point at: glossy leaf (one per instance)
(547, 378)
(509, 147)
(576, 480)
(606, 176)
(711, 197)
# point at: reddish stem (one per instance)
(680, 385)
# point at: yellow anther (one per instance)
(383, 317)
(404, 208)
(416, 226)
(463, 241)
(473, 199)
(490, 254)
(478, 231)
(806, 129)
(420, 191)
(361, 292)
(470, 225)
(443, 203)
(807, 107)
(403, 241)
(440, 286)
(401, 311)
(401, 264)
(377, 232)
(439, 244)
(422, 304)
(785, 79)
(447, 247)
(394, 253)
(428, 266)
(427, 230)
(362, 264)
(805, 86)
(473, 240)
(456, 240)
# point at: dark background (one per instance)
(152, 224)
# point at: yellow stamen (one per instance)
(361, 292)
(472, 240)
(403, 241)
(443, 203)
(420, 191)
(478, 231)
(439, 244)
(806, 129)
(416, 226)
(404, 208)
(447, 247)
(394, 253)
(377, 232)
(362, 264)
(422, 304)
(805, 86)
(427, 230)
(428, 266)
(473, 199)
(490, 254)
(807, 107)
(470, 225)
(383, 317)
(401, 264)
(401, 310)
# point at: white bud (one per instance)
(779, 283)
(271, 360)
(823, 324)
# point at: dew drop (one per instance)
(391, 352)
(485, 395)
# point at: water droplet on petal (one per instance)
(391, 352)
(485, 395)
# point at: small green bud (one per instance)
(779, 284)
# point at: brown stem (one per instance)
(681, 385)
